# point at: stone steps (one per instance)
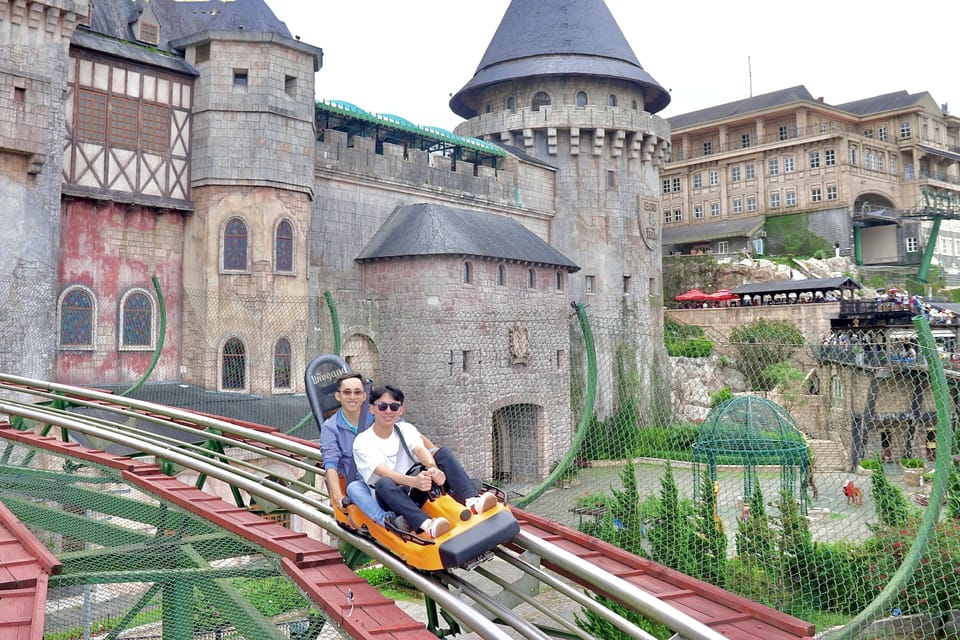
(828, 455)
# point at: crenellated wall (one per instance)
(517, 185)
(34, 23)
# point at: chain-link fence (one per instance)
(786, 461)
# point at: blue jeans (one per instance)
(360, 494)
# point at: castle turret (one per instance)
(559, 82)
(252, 183)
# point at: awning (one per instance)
(786, 286)
(707, 231)
(949, 155)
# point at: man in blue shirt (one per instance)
(336, 446)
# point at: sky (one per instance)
(407, 57)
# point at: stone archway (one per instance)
(516, 451)
(362, 355)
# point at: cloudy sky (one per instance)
(407, 57)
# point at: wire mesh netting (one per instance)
(134, 564)
(807, 471)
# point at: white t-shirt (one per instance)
(370, 451)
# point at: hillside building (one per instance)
(867, 178)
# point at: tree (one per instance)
(709, 540)
(670, 535)
(893, 510)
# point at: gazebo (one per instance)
(751, 431)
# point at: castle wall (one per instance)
(111, 248)
(357, 189)
(34, 41)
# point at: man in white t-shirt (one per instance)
(383, 460)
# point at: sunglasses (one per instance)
(351, 392)
(393, 406)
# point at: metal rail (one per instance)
(249, 477)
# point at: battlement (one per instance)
(422, 170)
(592, 130)
(23, 22)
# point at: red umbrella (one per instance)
(694, 295)
(722, 295)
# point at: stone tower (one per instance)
(34, 39)
(560, 82)
(252, 175)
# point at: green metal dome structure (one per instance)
(751, 431)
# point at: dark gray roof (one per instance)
(703, 232)
(879, 104)
(523, 155)
(131, 51)
(432, 230)
(180, 19)
(747, 105)
(557, 37)
(786, 286)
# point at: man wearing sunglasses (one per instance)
(389, 448)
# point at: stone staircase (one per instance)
(828, 455)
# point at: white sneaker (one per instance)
(483, 502)
(435, 527)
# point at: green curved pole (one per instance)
(585, 417)
(161, 336)
(335, 321)
(941, 395)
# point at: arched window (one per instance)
(235, 245)
(531, 278)
(634, 105)
(282, 364)
(136, 320)
(611, 100)
(77, 311)
(283, 247)
(836, 390)
(581, 98)
(540, 99)
(511, 104)
(233, 367)
(501, 275)
(467, 273)
(559, 280)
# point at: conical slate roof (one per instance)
(557, 37)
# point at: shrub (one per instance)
(599, 627)
(870, 463)
(683, 340)
(720, 396)
(912, 463)
(935, 583)
(761, 344)
(667, 442)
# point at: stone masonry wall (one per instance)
(448, 346)
(33, 55)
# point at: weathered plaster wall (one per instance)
(111, 248)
